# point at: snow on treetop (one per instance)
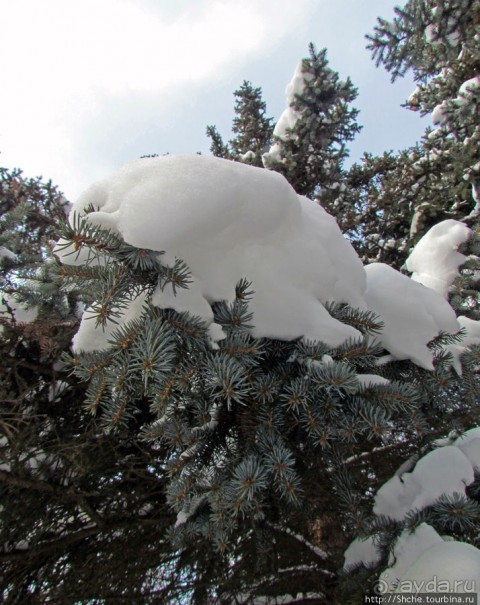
(229, 221)
(290, 116)
(295, 87)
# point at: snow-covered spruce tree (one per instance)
(36, 326)
(392, 201)
(310, 137)
(252, 129)
(411, 208)
(209, 461)
(264, 448)
(308, 143)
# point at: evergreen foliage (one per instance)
(225, 449)
(252, 129)
(311, 154)
(30, 215)
(163, 468)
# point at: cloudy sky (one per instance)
(89, 85)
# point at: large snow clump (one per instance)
(413, 314)
(435, 260)
(230, 221)
(422, 561)
(227, 221)
(422, 555)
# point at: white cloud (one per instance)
(72, 65)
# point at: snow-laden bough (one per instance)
(229, 221)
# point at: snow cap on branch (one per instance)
(422, 558)
(413, 314)
(445, 470)
(295, 87)
(420, 552)
(230, 221)
(290, 116)
(434, 261)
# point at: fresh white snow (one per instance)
(407, 549)
(361, 551)
(469, 87)
(449, 566)
(435, 260)
(424, 562)
(443, 471)
(413, 314)
(469, 444)
(421, 559)
(439, 114)
(371, 380)
(229, 221)
(248, 155)
(289, 117)
(92, 337)
(467, 90)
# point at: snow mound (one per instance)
(423, 562)
(438, 114)
(227, 221)
(469, 444)
(434, 261)
(452, 566)
(361, 551)
(413, 314)
(409, 546)
(443, 471)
